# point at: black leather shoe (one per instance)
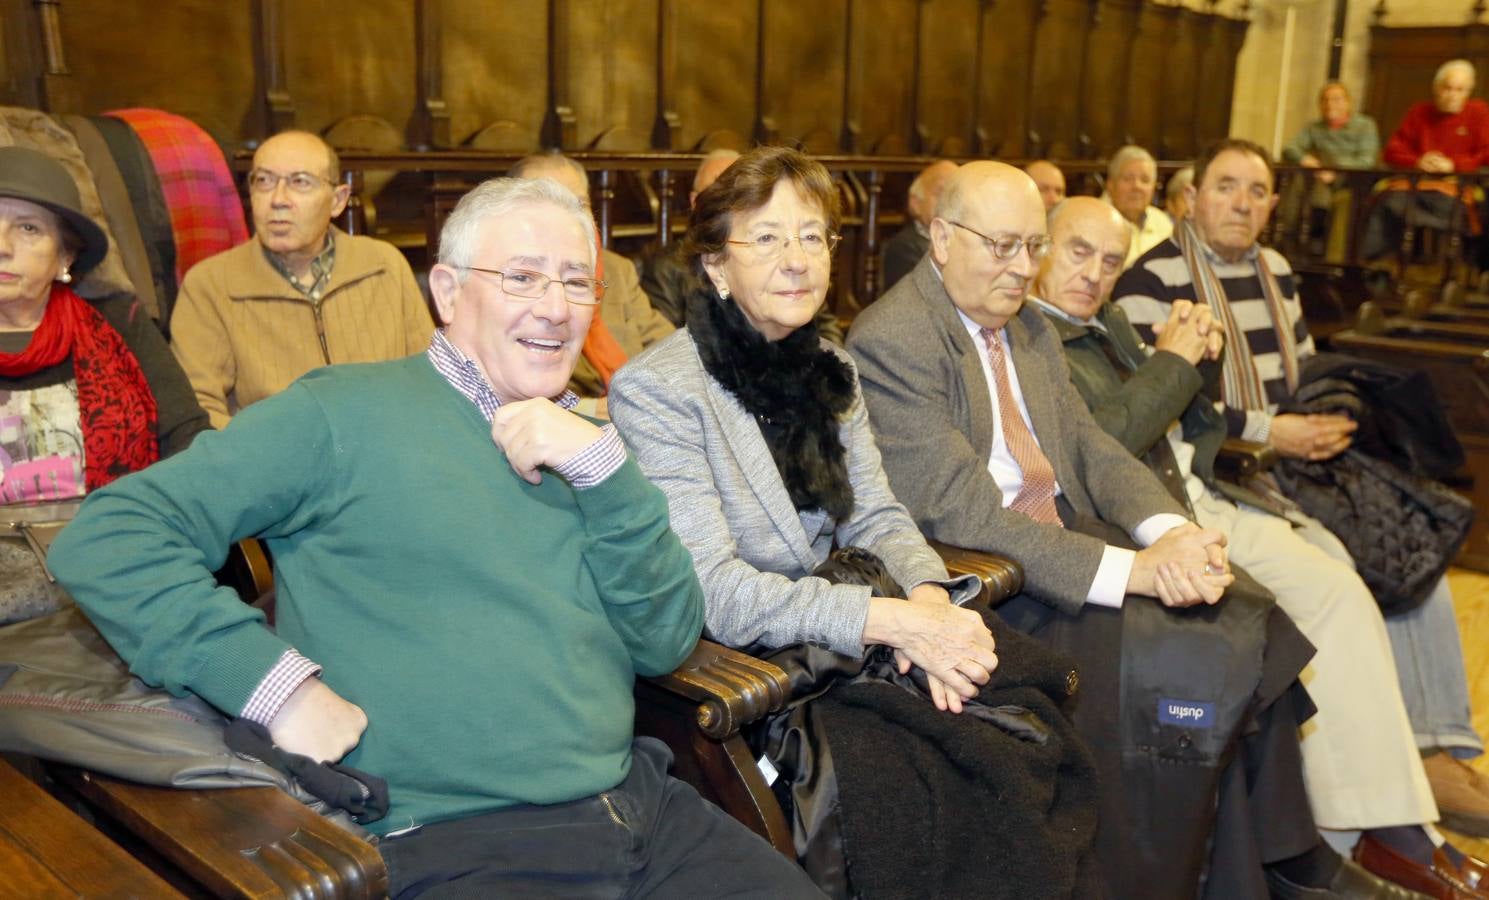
(1350, 882)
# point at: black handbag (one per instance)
(1402, 530)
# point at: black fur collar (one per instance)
(796, 390)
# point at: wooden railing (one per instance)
(642, 199)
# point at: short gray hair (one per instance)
(949, 206)
(1126, 155)
(504, 197)
(1178, 181)
(1455, 65)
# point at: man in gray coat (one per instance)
(988, 444)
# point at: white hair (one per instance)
(1178, 181)
(524, 166)
(1454, 65)
(1124, 156)
(502, 197)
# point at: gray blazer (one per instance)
(922, 379)
(752, 550)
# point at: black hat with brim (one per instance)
(29, 175)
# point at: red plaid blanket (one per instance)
(206, 214)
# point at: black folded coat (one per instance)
(891, 797)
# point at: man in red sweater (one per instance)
(1448, 134)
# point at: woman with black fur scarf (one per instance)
(755, 429)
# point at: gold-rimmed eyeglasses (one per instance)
(525, 284)
(1007, 246)
(263, 181)
(769, 246)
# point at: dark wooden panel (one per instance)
(116, 60)
(1007, 45)
(715, 69)
(883, 58)
(1148, 76)
(1059, 55)
(612, 64)
(1104, 96)
(364, 66)
(1216, 89)
(804, 71)
(1181, 64)
(496, 67)
(888, 77)
(948, 52)
(18, 55)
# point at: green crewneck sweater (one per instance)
(490, 628)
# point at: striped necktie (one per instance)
(1036, 499)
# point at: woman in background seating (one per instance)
(754, 428)
(89, 391)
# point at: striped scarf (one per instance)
(1241, 387)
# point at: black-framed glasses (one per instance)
(1007, 246)
(769, 246)
(263, 181)
(525, 284)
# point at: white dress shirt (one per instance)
(1109, 587)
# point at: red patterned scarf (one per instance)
(116, 408)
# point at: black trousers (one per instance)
(1172, 828)
(650, 836)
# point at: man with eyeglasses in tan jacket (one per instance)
(300, 295)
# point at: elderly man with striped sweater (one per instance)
(1214, 259)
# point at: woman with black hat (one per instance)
(89, 391)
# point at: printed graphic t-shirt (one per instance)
(41, 434)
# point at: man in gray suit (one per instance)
(989, 445)
(934, 416)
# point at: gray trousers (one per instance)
(1434, 683)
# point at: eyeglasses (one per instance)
(525, 284)
(769, 246)
(262, 181)
(1007, 246)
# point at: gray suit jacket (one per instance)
(752, 550)
(932, 412)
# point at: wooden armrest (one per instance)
(732, 689)
(239, 842)
(698, 710)
(1001, 577)
(1239, 459)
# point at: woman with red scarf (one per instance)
(89, 391)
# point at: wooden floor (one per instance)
(1471, 600)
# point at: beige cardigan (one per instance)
(243, 333)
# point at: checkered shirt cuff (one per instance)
(596, 462)
(291, 670)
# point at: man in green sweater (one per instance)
(469, 578)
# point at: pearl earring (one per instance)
(65, 277)
(724, 292)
